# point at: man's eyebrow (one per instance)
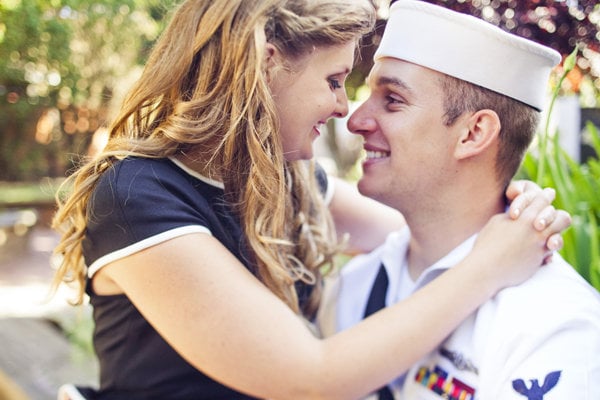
(387, 80)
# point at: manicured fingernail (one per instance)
(550, 191)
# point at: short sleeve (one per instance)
(139, 203)
(326, 185)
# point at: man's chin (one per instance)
(367, 188)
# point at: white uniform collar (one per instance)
(197, 175)
(358, 275)
(455, 256)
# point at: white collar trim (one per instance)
(196, 175)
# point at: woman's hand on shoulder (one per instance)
(513, 245)
(522, 193)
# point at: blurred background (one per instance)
(65, 66)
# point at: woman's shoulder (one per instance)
(131, 170)
(150, 180)
(143, 201)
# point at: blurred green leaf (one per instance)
(577, 186)
(64, 65)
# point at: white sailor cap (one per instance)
(468, 48)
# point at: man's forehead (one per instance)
(393, 72)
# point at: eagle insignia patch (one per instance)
(535, 391)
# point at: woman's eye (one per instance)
(334, 83)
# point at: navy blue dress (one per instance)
(138, 203)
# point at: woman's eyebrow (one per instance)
(343, 71)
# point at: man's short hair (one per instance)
(518, 121)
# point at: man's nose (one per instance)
(361, 122)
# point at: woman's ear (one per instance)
(271, 60)
(478, 132)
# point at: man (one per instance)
(454, 105)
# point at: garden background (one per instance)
(65, 66)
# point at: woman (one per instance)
(200, 233)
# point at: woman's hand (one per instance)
(512, 246)
(521, 193)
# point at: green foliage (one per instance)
(63, 67)
(577, 187)
(79, 331)
(35, 192)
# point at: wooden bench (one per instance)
(37, 359)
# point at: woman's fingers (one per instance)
(545, 218)
(536, 205)
(528, 200)
(532, 203)
(562, 221)
(534, 197)
(515, 188)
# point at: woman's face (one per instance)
(307, 93)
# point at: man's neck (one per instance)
(434, 237)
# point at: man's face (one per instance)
(409, 149)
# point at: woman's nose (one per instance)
(341, 107)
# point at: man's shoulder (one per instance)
(555, 293)
(557, 278)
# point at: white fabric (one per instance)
(197, 175)
(550, 323)
(353, 290)
(142, 245)
(470, 49)
(330, 190)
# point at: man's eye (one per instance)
(394, 100)
(334, 83)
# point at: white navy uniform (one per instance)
(538, 341)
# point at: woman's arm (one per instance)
(367, 222)
(226, 323)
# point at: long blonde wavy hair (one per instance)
(204, 91)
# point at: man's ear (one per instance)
(478, 132)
